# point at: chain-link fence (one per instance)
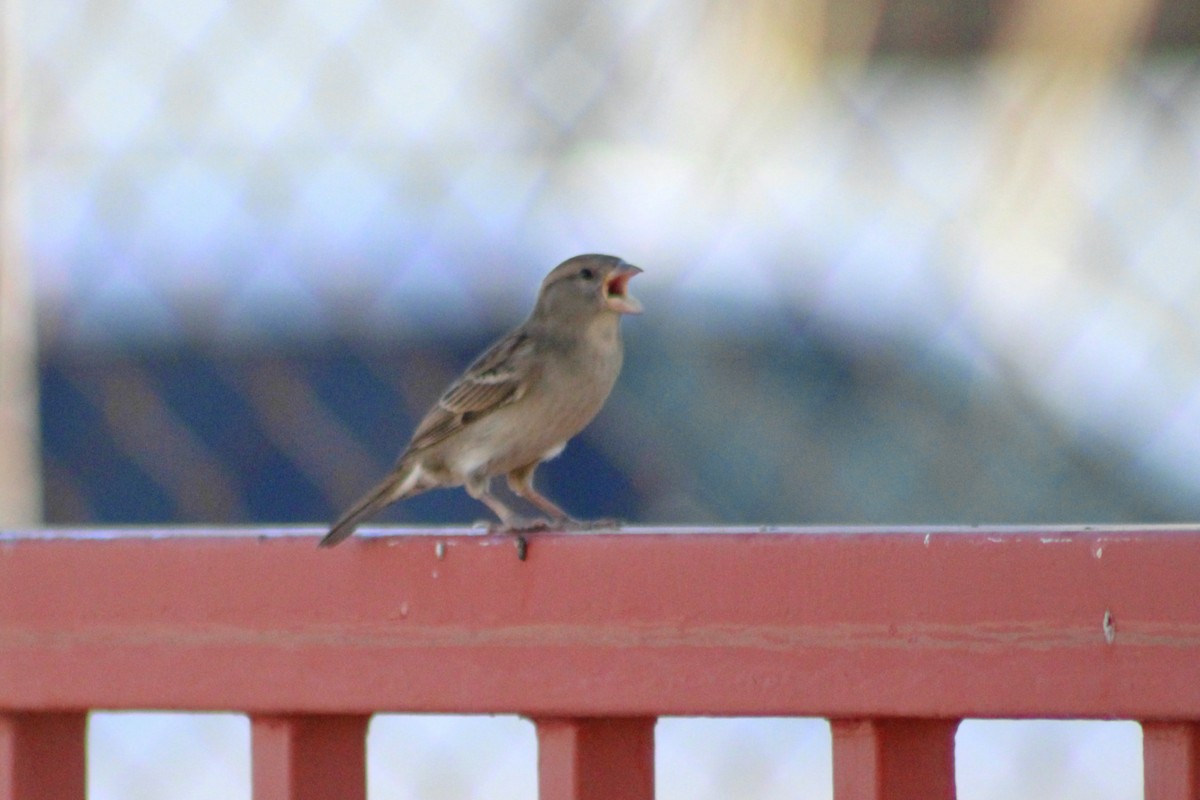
(904, 263)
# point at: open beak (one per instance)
(616, 290)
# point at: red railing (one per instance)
(894, 635)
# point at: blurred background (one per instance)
(907, 261)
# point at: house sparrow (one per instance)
(520, 402)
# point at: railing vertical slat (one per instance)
(43, 756)
(1171, 760)
(893, 759)
(309, 757)
(596, 759)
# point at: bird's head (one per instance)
(588, 284)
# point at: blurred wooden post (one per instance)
(596, 759)
(42, 756)
(20, 482)
(893, 759)
(1171, 755)
(309, 756)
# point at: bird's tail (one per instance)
(399, 483)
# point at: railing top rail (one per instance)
(110, 532)
(1051, 621)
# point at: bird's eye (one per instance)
(586, 274)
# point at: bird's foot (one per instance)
(520, 525)
(593, 525)
(517, 526)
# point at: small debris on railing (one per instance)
(1110, 628)
(439, 550)
(522, 548)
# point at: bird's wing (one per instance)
(500, 376)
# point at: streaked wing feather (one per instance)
(498, 377)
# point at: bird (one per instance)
(519, 402)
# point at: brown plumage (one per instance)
(520, 401)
